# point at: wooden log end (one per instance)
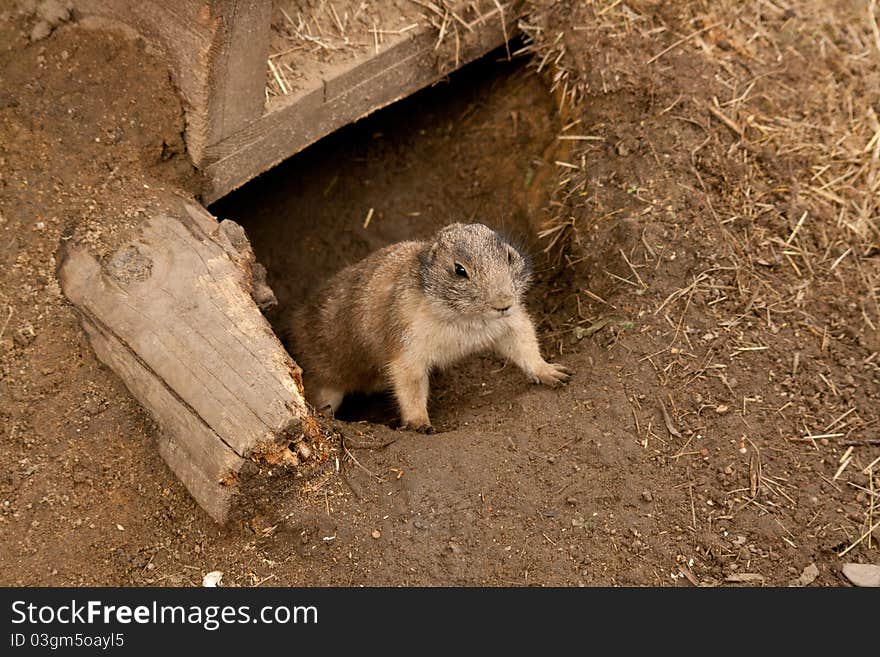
(174, 313)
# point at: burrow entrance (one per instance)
(467, 149)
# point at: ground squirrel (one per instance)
(387, 321)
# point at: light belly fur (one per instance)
(440, 344)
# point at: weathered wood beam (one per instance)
(406, 64)
(217, 52)
(172, 313)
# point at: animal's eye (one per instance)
(509, 256)
(461, 271)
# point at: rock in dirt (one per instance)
(24, 335)
(213, 578)
(626, 147)
(807, 577)
(53, 12)
(862, 574)
(40, 31)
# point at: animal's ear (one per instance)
(429, 255)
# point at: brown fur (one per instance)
(388, 320)
(355, 315)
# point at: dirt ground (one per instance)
(710, 270)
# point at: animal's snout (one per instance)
(503, 304)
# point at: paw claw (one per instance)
(419, 428)
(553, 374)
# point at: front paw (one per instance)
(325, 411)
(419, 422)
(552, 374)
(420, 428)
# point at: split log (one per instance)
(173, 313)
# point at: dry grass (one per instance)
(781, 100)
(836, 131)
(828, 138)
(307, 32)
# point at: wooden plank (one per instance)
(237, 78)
(295, 121)
(177, 300)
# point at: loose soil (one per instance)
(676, 456)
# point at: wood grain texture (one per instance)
(237, 66)
(407, 64)
(172, 314)
(217, 52)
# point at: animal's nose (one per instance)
(502, 304)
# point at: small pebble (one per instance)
(53, 11)
(647, 497)
(862, 574)
(41, 30)
(213, 578)
(376, 533)
(24, 335)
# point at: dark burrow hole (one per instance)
(470, 148)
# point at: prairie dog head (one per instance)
(473, 272)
